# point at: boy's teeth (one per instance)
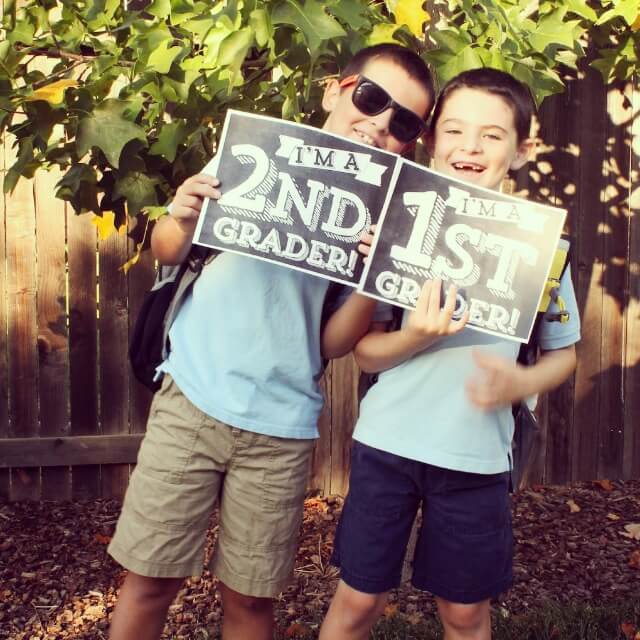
(365, 138)
(467, 166)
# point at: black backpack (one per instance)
(149, 343)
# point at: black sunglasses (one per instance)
(371, 99)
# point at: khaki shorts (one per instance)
(188, 462)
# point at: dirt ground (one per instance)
(577, 543)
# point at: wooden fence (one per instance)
(71, 415)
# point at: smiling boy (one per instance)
(236, 418)
(435, 431)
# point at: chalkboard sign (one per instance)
(296, 195)
(300, 196)
(496, 248)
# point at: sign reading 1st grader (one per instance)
(296, 195)
(495, 248)
(302, 197)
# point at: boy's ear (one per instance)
(331, 95)
(523, 152)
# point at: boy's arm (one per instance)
(172, 235)
(502, 382)
(429, 322)
(347, 325)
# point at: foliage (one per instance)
(128, 100)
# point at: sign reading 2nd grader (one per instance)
(296, 195)
(302, 197)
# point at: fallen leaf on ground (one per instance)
(607, 485)
(100, 539)
(628, 629)
(632, 531)
(415, 618)
(296, 629)
(574, 508)
(613, 516)
(634, 560)
(390, 610)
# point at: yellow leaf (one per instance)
(411, 13)
(53, 93)
(573, 506)
(132, 261)
(636, 24)
(632, 531)
(105, 224)
(415, 618)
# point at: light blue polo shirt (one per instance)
(419, 409)
(245, 346)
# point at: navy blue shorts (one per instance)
(464, 551)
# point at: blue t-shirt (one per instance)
(245, 346)
(419, 409)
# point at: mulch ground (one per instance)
(573, 544)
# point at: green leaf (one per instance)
(233, 51)
(453, 41)
(626, 9)
(352, 13)
(382, 33)
(109, 130)
(466, 59)
(310, 19)
(260, 22)
(581, 8)
(159, 8)
(162, 57)
(154, 213)
(5, 48)
(171, 135)
(138, 189)
(78, 186)
(23, 166)
(552, 30)
(23, 32)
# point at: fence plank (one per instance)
(22, 334)
(70, 450)
(114, 367)
(559, 402)
(4, 364)
(83, 344)
(631, 388)
(615, 237)
(589, 125)
(53, 339)
(320, 479)
(344, 411)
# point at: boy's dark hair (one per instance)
(515, 93)
(404, 57)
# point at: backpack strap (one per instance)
(188, 272)
(552, 286)
(529, 352)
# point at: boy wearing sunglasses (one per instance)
(435, 430)
(235, 420)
